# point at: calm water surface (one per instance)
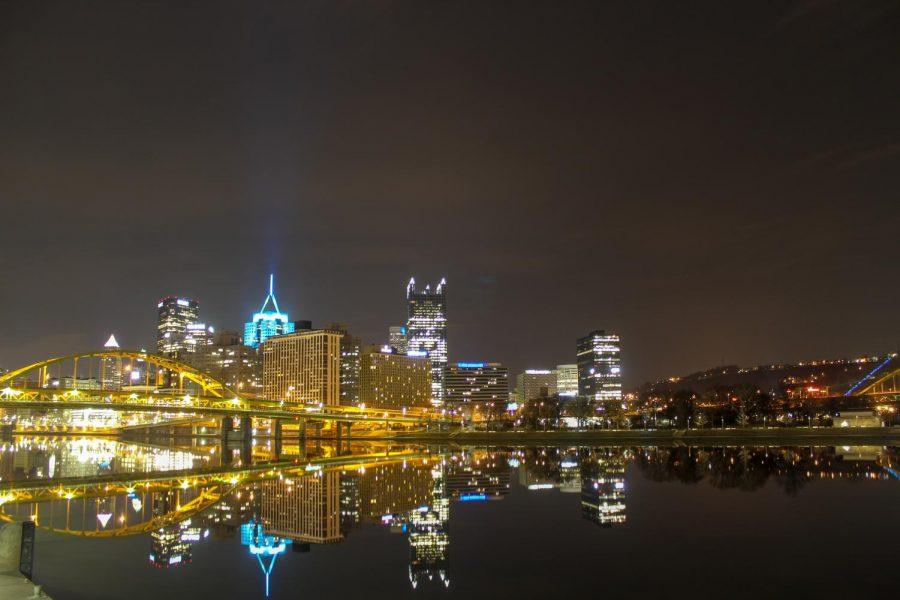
(369, 521)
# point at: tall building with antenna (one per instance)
(269, 321)
(426, 331)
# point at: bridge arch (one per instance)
(210, 385)
(885, 384)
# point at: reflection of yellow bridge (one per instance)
(170, 386)
(201, 488)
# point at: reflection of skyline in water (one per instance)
(295, 509)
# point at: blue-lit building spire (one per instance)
(268, 321)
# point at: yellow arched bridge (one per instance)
(136, 381)
(880, 382)
(122, 504)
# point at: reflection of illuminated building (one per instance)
(240, 506)
(603, 492)
(171, 545)
(264, 547)
(393, 489)
(569, 475)
(429, 537)
(603, 500)
(168, 549)
(305, 508)
(471, 481)
(350, 502)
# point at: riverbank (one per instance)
(786, 436)
(14, 585)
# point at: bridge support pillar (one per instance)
(247, 429)
(246, 440)
(226, 427)
(276, 432)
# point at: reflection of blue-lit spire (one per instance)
(269, 321)
(263, 546)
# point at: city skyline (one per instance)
(629, 382)
(364, 299)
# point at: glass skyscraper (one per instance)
(267, 322)
(599, 367)
(567, 380)
(175, 314)
(426, 330)
(397, 338)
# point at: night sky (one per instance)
(715, 181)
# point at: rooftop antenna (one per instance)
(271, 295)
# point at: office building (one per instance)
(111, 367)
(230, 361)
(175, 314)
(599, 367)
(391, 380)
(303, 367)
(476, 383)
(567, 380)
(197, 336)
(536, 383)
(351, 350)
(268, 322)
(397, 338)
(426, 330)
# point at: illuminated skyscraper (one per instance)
(397, 338)
(110, 367)
(303, 367)
(599, 367)
(567, 380)
(267, 322)
(351, 349)
(426, 330)
(197, 336)
(231, 362)
(476, 383)
(536, 383)
(175, 314)
(396, 381)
